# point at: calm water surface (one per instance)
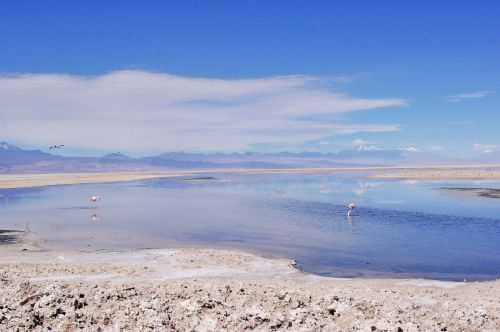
(400, 228)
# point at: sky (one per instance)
(226, 76)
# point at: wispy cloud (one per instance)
(363, 145)
(470, 95)
(485, 148)
(409, 149)
(360, 142)
(137, 110)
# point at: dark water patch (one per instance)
(201, 178)
(381, 216)
(163, 183)
(78, 208)
(382, 242)
(8, 236)
(481, 192)
(13, 196)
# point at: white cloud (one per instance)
(137, 110)
(362, 145)
(344, 129)
(470, 95)
(485, 148)
(359, 142)
(409, 149)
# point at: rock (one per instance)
(331, 310)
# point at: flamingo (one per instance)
(350, 208)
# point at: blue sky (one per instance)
(431, 71)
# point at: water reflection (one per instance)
(399, 228)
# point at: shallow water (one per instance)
(400, 228)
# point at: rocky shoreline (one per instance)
(219, 290)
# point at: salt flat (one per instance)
(222, 290)
(475, 172)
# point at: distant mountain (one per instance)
(11, 155)
(7, 147)
(115, 157)
(387, 155)
(16, 160)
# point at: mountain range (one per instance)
(14, 159)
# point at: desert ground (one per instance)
(221, 290)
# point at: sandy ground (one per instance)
(436, 173)
(220, 290)
(8, 181)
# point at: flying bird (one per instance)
(60, 146)
(94, 199)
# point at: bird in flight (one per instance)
(60, 146)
